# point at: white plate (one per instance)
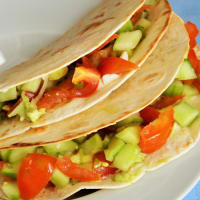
(26, 26)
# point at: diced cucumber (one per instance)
(18, 110)
(185, 114)
(76, 158)
(61, 147)
(106, 141)
(10, 170)
(10, 189)
(145, 23)
(130, 135)
(31, 86)
(127, 40)
(113, 148)
(176, 88)
(80, 139)
(123, 177)
(17, 155)
(126, 27)
(5, 154)
(59, 179)
(151, 2)
(190, 90)
(186, 71)
(126, 157)
(134, 119)
(85, 158)
(58, 74)
(92, 145)
(9, 95)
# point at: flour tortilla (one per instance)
(160, 17)
(139, 91)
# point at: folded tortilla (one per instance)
(168, 55)
(59, 54)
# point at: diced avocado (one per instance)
(76, 158)
(134, 119)
(130, 135)
(10, 189)
(61, 147)
(85, 158)
(5, 154)
(92, 145)
(31, 86)
(186, 71)
(176, 88)
(9, 95)
(18, 110)
(123, 177)
(145, 23)
(175, 130)
(59, 179)
(185, 114)
(126, 27)
(114, 147)
(127, 40)
(58, 74)
(34, 115)
(19, 154)
(190, 90)
(10, 170)
(80, 139)
(106, 141)
(151, 2)
(126, 157)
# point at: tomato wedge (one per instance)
(196, 83)
(194, 60)
(34, 174)
(166, 101)
(74, 171)
(102, 170)
(193, 33)
(115, 65)
(155, 135)
(149, 114)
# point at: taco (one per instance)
(56, 84)
(120, 154)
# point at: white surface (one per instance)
(26, 26)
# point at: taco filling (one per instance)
(111, 153)
(81, 79)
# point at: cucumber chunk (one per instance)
(10, 189)
(176, 88)
(123, 177)
(145, 23)
(9, 95)
(185, 114)
(61, 147)
(186, 71)
(58, 74)
(134, 119)
(190, 90)
(59, 179)
(130, 135)
(126, 157)
(127, 40)
(126, 27)
(17, 155)
(5, 154)
(113, 148)
(31, 86)
(10, 170)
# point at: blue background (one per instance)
(189, 10)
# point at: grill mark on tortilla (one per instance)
(149, 77)
(60, 50)
(99, 16)
(25, 144)
(117, 4)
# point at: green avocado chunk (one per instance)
(9, 95)
(10, 170)
(176, 88)
(10, 189)
(189, 90)
(113, 148)
(126, 27)
(59, 179)
(130, 135)
(123, 177)
(134, 119)
(185, 114)
(127, 156)
(5, 154)
(58, 74)
(145, 23)
(31, 86)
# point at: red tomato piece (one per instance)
(193, 43)
(196, 83)
(34, 174)
(115, 65)
(2, 163)
(74, 171)
(166, 101)
(149, 114)
(155, 135)
(192, 30)
(86, 62)
(194, 60)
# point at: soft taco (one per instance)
(82, 67)
(120, 154)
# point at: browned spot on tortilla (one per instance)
(39, 129)
(60, 50)
(99, 16)
(25, 144)
(118, 4)
(45, 53)
(95, 24)
(149, 77)
(82, 124)
(5, 133)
